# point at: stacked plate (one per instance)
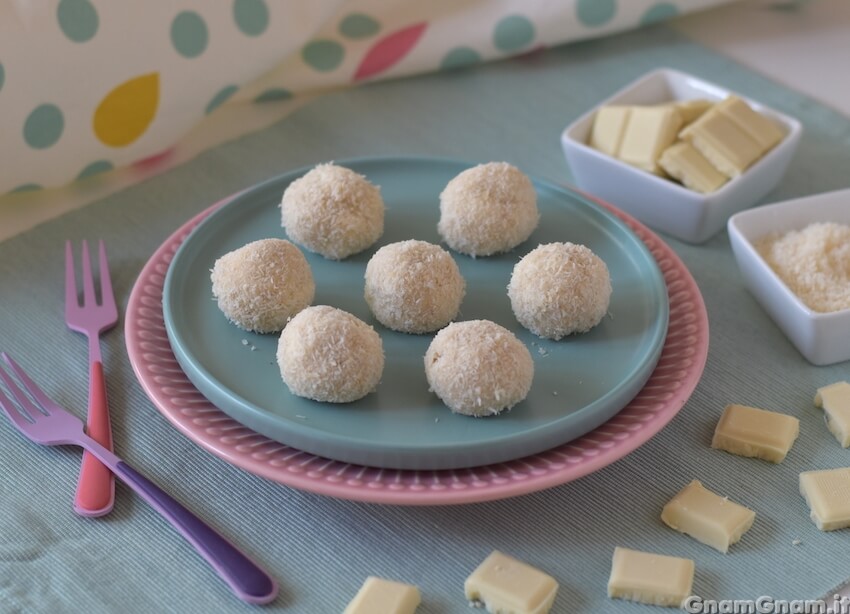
(595, 397)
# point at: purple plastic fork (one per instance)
(45, 422)
(95, 494)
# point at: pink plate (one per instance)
(671, 384)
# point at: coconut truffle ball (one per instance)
(327, 354)
(488, 209)
(478, 368)
(262, 284)
(559, 289)
(333, 211)
(413, 286)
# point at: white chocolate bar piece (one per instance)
(683, 162)
(650, 131)
(609, 125)
(692, 109)
(721, 140)
(757, 126)
(654, 579)
(707, 517)
(835, 401)
(753, 432)
(384, 596)
(505, 585)
(827, 494)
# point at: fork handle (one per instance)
(96, 486)
(245, 577)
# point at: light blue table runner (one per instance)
(321, 549)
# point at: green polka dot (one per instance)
(275, 93)
(27, 187)
(189, 34)
(95, 168)
(323, 55)
(512, 33)
(659, 12)
(460, 57)
(2, 76)
(595, 12)
(251, 16)
(44, 126)
(358, 25)
(219, 99)
(78, 19)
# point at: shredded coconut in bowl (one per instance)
(813, 262)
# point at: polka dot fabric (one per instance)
(134, 78)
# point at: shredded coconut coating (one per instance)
(814, 263)
(333, 211)
(478, 368)
(327, 354)
(488, 209)
(262, 284)
(414, 286)
(559, 289)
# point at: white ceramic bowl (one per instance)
(823, 338)
(661, 203)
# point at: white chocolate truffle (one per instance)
(559, 289)
(414, 286)
(478, 368)
(488, 209)
(327, 354)
(333, 211)
(262, 284)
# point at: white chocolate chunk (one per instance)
(722, 142)
(827, 494)
(654, 579)
(835, 401)
(385, 597)
(508, 586)
(707, 517)
(650, 131)
(755, 433)
(690, 110)
(683, 162)
(609, 125)
(757, 126)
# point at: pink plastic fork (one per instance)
(95, 494)
(44, 422)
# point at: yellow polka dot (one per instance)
(126, 112)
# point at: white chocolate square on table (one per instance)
(827, 494)
(835, 401)
(755, 433)
(506, 585)
(654, 579)
(707, 517)
(379, 596)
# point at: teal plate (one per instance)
(579, 382)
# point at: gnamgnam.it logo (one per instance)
(766, 605)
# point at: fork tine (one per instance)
(88, 277)
(19, 396)
(30, 386)
(12, 412)
(107, 297)
(71, 297)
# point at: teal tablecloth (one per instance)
(321, 549)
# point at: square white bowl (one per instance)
(823, 338)
(661, 203)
